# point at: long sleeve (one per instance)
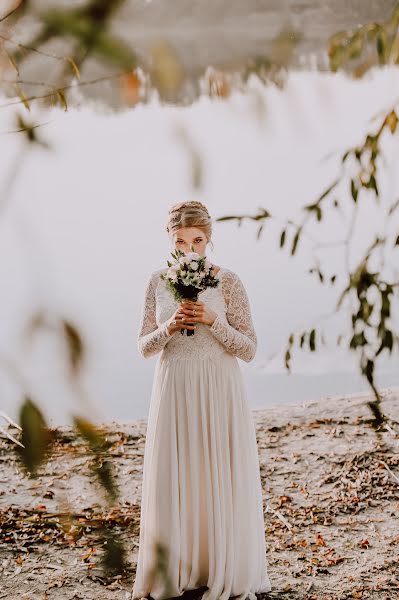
(238, 333)
(151, 338)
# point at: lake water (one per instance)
(116, 395)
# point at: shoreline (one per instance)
(336, 398)
(330, 489)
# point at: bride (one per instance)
(201, 522)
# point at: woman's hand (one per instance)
(180, 323)
(186, 319)
(196, 312)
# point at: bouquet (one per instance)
(187, 276)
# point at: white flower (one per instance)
(172, 272)
(183, 260)
(194, 265)
(207, 264)
(195, 280)
(192, 256)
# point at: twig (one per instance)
(31, 48)
(388, 469)
(279, 515)
(10, 437)
(23, 129)
(25, 82)
(7, 418)
(389, 428)
(63, 88)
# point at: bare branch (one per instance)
(65, 87)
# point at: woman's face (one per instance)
(184, 237)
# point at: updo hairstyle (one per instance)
(190, 214)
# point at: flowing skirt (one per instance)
(201, 489)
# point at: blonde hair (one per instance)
(190, 214)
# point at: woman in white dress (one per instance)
(201, 489)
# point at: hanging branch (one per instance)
(372, 332)
(369, 339)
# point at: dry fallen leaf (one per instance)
(88, 554)
(320, 540)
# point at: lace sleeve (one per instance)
(151, 338)
(238, 333)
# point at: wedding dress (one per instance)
(201, 489)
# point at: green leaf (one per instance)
(392, 121)
(312, 336)
(355, 47)
(372, 184)
(74, 343)
(354, 191)
(368, 370)
(103, 470)
(90, 433)
(113, 559)
(11, 59)
(314, 208)
(282, 238)
(62, 98)
(358, 339)
(36, 437)
(23, 97)
(381, 45)
(336, 55)
(287, 358)
(388, 340)
(328, 190)
(73, 65)
(295, 241)
(263, 214)
(394, 206)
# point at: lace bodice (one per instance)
(232, 331)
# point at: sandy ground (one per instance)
(331, 506)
